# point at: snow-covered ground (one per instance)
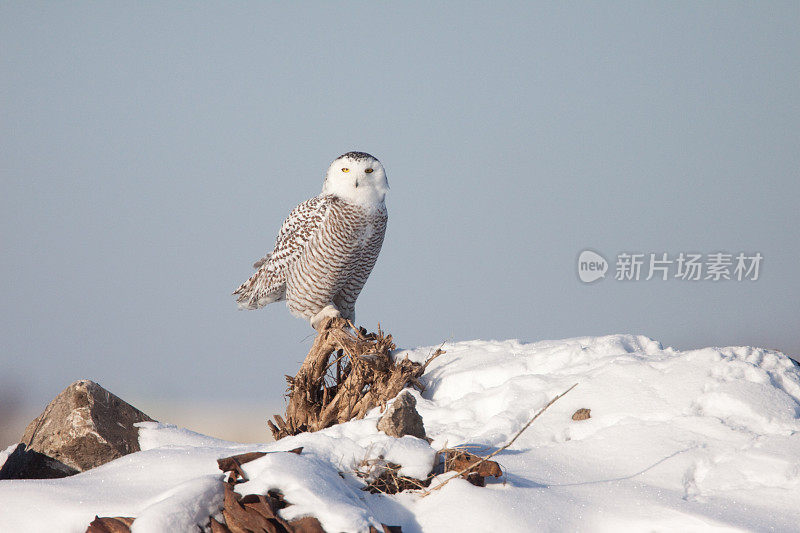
(702, 440)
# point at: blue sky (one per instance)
(150, 151)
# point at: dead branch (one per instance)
(483, 460)
(433, 356)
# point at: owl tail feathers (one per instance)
(247, 300)
(253, 295)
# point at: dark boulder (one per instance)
(83, 427)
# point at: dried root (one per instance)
(362, 375)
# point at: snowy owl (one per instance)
(327, 246)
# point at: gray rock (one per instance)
(401, 418)
(83, 427)
(29, 464)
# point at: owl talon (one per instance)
(329, 311)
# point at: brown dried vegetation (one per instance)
(362, 375)
(582, 414)
(257, 513)
(383, 477)
(116, 524)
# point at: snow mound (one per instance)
(698, 440)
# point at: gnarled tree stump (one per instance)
(362, 375)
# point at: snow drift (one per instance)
(699, 440)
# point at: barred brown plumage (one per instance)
(327, 246)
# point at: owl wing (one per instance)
(261, 261)
(268, 284)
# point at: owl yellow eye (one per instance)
(345, 170)
(368, 171)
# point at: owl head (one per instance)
(356, 177)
